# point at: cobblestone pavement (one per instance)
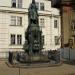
(64, 69)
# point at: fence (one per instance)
(67, 53)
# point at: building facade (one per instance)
(68, 23)
(67, 8)
(14, 22)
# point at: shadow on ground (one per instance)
(69, 62)
(72, 74)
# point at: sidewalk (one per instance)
(65, 69)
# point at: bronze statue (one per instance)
(33, 34)
(33, 14)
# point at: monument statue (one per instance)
(33, 16)
(33, 42)
(33, 34)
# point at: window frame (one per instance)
(42, 6)
(16, 21)
(19, 21)
(55, 23)
(19, 39)
(18, 3)
(13, 2)
(13, 39)
(42, 23)
(13, 20)
(56, 40)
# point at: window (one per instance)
(73, 25)
(13, 3)
(42, 39)
(41, 6)
(16, 21)
(37, 5)
(42, 24)
(12, 39)
(56, 40)
(19, 39)
(13, 20)
(16, 39)
(17, 3)
(55, 23)
(19, 21)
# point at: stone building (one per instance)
(67, 8)
(68, 23)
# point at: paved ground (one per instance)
(65, 69)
